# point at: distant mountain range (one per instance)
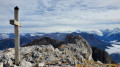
(109, 35)
(11, 35)
(9, 42)
(99, 38)
(106, 35)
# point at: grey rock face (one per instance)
(25, 63)
(41, 64)
(47, 54)
(80, 46)
(7, 57)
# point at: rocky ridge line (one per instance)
(74, 50)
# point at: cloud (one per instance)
(114, 49)
(61, 15)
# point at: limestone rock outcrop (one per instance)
(49, 52)
(39, 55)
(81, 45)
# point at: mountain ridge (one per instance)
(65, 55)
(73, 39)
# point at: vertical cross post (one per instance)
(16, 24)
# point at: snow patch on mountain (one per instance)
(115, 30)
(32, 34)
(110, 32)
(91, 31)
(3, 36)
(11, 35)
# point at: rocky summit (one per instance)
(46, 55)
(73, 51)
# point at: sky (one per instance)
(60, 15)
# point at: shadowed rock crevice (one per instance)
(101, 55)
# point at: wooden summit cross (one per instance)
(16, 24)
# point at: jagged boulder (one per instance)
(25, 63)
(80, 45)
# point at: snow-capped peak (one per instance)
(92, 31)
(109, 32)
(114, 31)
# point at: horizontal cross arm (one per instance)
(14, 22)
